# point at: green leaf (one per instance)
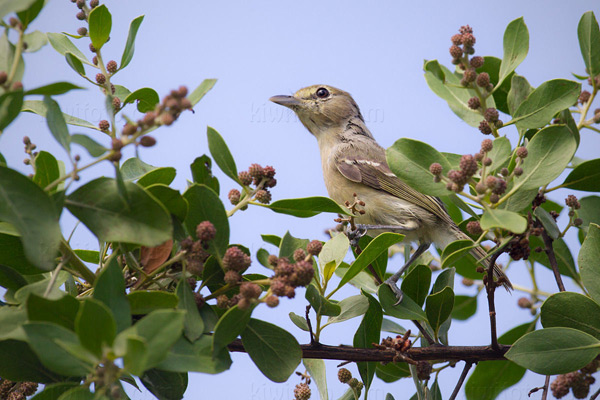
(447, 85)
(39, 107)
(9, 6)
(516, 46)
(110, 290)
(94, 148)
(160, 329)
(100, 22)
(95, 326)
(147, 99)
(439, 307)
(456, 254)
(306, 207)
(11, 279)
(171, 199)
(377, 246)
(504, 219)
(407, 309)
(53, 392)
(299, 321)
(53, 89)
(28, 208)
(40, 288)
(57, 124)
(520, 89)
(230, 326)
(130, 44)
(500, 153)
(368, 332)
(289, 244)
(10, 106)
(544, 102)
(548, 222)
(78, 393)
(62, 311)
(351, 307)
(144, 302)
(75, 63)
(464, 307)
(46, 169)
(28, 15)
(316, 370)
(589, 254)
(585, 176)
(490, 378)
(320, 304)
(221, 154)
(589, 211)
(193, 326)
(112, 218)
(90, 256)
(204, 205)
(162, 175)
(201, 91)
(202, 173)
(553, 351)
(197, 357)
(566, 264)
(572, 310)
(134, 168)
(20, 363)
(391, 372)
(333, 251)
(35, 41)
(165, 385)
(410, 160)
(49, 340)
(275, 352)
(589, 42)
(416, 284)
(63, 45)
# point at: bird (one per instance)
(354, 165)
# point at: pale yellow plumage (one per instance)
(353, 162)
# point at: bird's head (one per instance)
(321, 108)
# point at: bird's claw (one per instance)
(355, 235)
(396, 290)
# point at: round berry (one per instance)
(504, 171)
(584, 97)
(245, 178)
(470, 75)
(272, 301)
(104, 125)
(491, 115)
(487, 161)
(314, 247)
(250, 290)
(235, 259)
(82, 31)
(435, 169)
(468, 39)
(572, 202)
(487, 145)
(474, 228)
(94, 3)
(263, 196)
(344, 375)
(456, 39)
(100, 78)
(116, 102)
(456, 52)
(111, 66)
(302, 391)
(522, 152)
(483, 80)
(232, 277)
(477, 62)
(474, 103)
(299, 255)
(518, 171)
(147, 141)
(485, 128)
(206, 231)
(468, 165)
(234, 196)
(80, 15)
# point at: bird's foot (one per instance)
(399, 295)
(355, 235)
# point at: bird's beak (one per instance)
(286, 101)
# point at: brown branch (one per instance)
(552, 258)
(425, 334)
(490, 287)
(310, 330)
(595, 395)
(463, 375)
(439, 353)
(546, 386)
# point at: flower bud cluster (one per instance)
(302, 391)
(262, 178)
(16, 390)
(196, 253)
(578, 382)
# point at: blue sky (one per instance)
(259, 49)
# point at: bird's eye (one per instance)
(322, 93)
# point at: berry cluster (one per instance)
(461, 49)
(262, 178)
(399, 344)
(302, 391)
(574, 205)
(235, 262)
(84, 11)
(195, 250)
(345, 376)
(29, 150)
(474, 166)
(164, 113)
(578, 382)
(16, 390)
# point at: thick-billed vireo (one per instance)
(353, 162)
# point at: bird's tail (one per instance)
(481, 256)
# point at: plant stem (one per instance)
(16, 59)
(75, 263)
(53, 278)
(463, 375)
(70, 174)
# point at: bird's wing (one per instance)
(379, 176)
